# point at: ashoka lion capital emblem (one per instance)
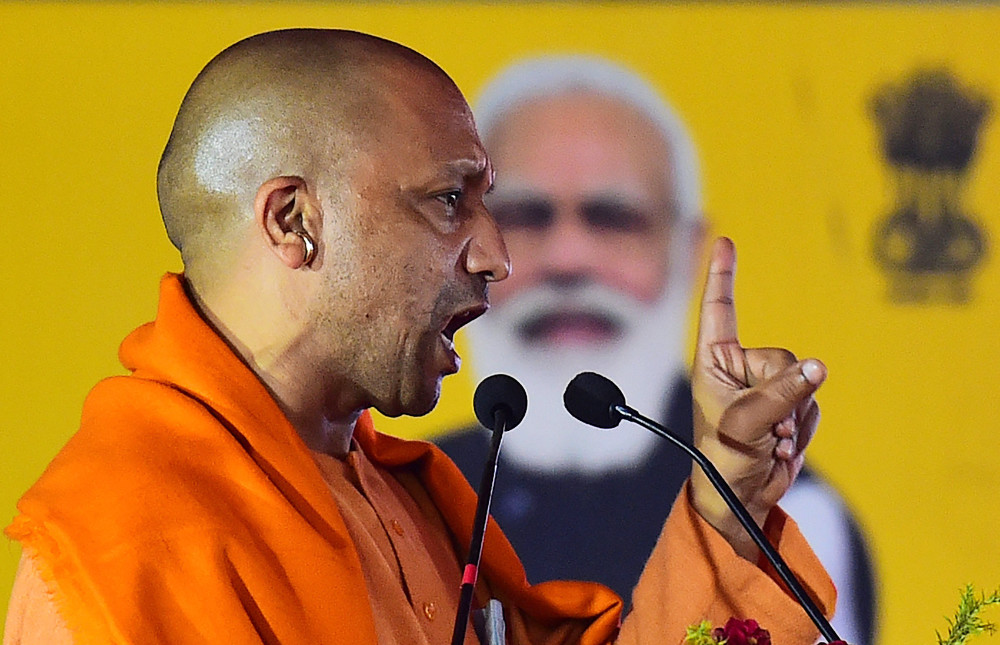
(928, 245)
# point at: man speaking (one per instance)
(325, 190)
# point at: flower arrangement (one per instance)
(735, 632)
(966, 623)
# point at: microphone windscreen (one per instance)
(500, 391)
(591, 398)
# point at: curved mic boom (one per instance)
(596, 400)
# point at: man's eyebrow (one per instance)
(467, 167)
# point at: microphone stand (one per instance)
(736, 506)
(471, 572)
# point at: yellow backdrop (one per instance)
(778, 100)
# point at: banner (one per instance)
(852, 152)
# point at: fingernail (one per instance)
(812, 370)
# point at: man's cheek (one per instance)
(642, 281)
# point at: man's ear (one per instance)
(289, 218)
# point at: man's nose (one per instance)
(487, 253)
(570, 245)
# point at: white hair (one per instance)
(647, 331)
(547, 76)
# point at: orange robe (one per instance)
(187, 510)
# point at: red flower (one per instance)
(742, 632)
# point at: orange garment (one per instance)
(693, 572)
(394, 533)
(411, 571)
(187, 510)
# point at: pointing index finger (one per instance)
(717, 323)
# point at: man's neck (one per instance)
(334, 437)
(301, 398)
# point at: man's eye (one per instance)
(450, 199)
(530, 214)
(613, 216)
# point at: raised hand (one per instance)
(754, 411)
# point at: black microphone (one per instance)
(500, 403)
(597, 401)
(500, 393)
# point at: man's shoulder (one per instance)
(147, 459)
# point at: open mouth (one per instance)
(461, 319)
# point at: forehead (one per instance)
(581, 141)
(427, 116)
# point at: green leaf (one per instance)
(701, 634)
(967, 622)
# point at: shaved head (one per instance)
(303, 102)
(325, 189)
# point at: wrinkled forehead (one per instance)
(426, 94)
(428, 115)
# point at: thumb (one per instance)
(774, 399)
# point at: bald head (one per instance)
(302, 103)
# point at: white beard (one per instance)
(645, 361)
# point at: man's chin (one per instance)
(417, 402)
(408, 409)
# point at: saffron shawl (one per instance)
(186, 509)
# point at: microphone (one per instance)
(597, 401)
(500, 404)
(500, 393)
